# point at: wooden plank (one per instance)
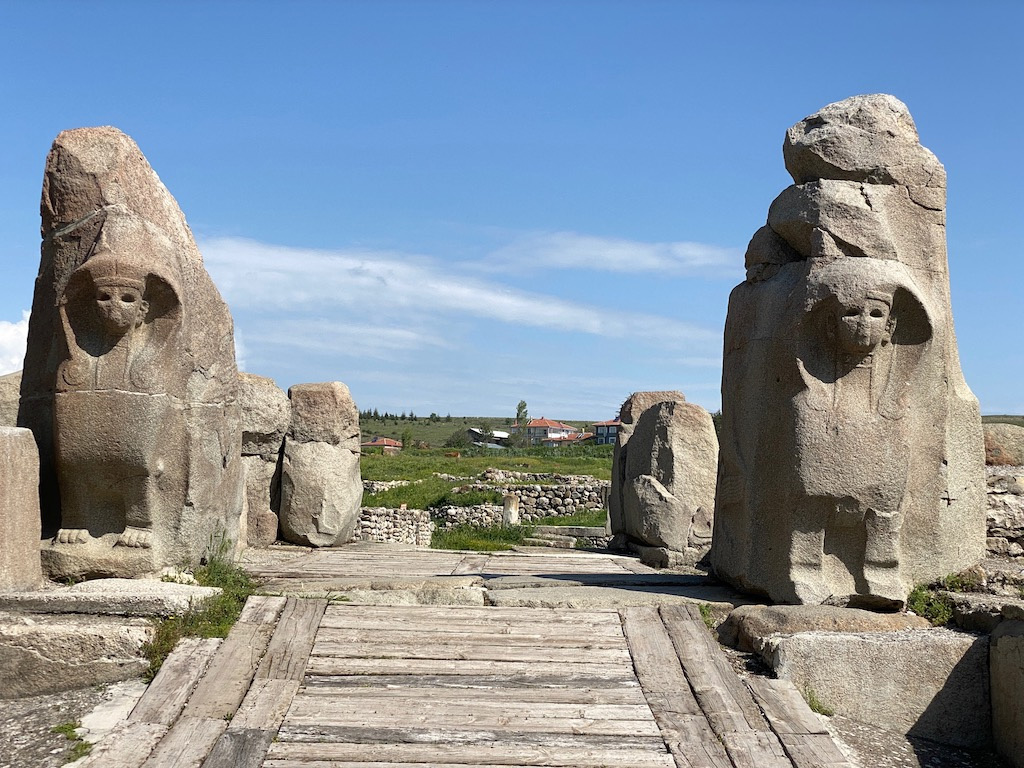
(470, 564)
(462, 651)
(290, 755)
(226, 681)
(292, 641)
(261, 609)
(128, 745)
(316, 740)
(165, 697)
(472, 612)
(240, 749)
(489, 723)
(490, 694)
(187, 744)
(416, 637)
(785, 708)
(495, 626)
(690, 739)
(264, 705)
(755, 749)
(467, 680)
(329, 665)
(814, 750)
(727, 703)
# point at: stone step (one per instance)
(571, 530)
(561, 542)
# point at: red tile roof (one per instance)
(542, 422)
(382, 442)
(609, 423)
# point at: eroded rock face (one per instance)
(629, 414)
(266, 414)
(1004, 445)
(130, 384)
(669, 488)
(851, 457)
(321, 490)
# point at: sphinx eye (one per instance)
(877, 313)
(851, 312)
(104, 296)
(127, 298)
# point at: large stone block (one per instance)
(321, 489)
(19, 510)
(1004, 445)
(669, 488)
(851, 449)
(47, 654)
(130, 384)
(266, 414)
(629, 414)
(932, 683)
(10, 397)
(1006, 655)
(260, 479)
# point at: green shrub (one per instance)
(430, 493)
(928, 603)
(816, 704)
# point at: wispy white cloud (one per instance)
(570, 250)
(380, 283)
(356, 340)
(13, 337)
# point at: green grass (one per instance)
(928, 603)
(418, 465)
(816, 704)
(481, 539)
(430, 493)
(1003, 419)
(214, 617)
(707, 615)
(78, 748)
(437, 432)
(585, 517)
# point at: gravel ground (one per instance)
(25, 737)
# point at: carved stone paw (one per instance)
(71, 536)
(135, 537)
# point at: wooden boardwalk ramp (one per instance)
(303, 683)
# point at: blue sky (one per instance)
(452, 206)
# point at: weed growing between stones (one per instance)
(483, 539)
(213, 617)
(816, 704)
(930, 604)
(79, 747)
(707, 615)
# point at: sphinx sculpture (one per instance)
(130, 383)
(851, 452)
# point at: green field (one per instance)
(1018, 420)
(416, 464)
(435, 431)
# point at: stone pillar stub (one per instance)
(20, 567)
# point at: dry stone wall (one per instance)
(1005, 511)
(395, 526)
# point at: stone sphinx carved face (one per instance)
(862, 324)
(120, 306)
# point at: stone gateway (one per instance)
(130, 384)
(851, 457)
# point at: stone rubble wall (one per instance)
(1005, 515)
(377, 486)
(396, 526)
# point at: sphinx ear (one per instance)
(143, 311)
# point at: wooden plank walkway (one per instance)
(300, 683)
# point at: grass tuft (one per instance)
(583, 517)
(707, 615)
(213, 617)
(79, 748)
(816, 704)
(479, 538)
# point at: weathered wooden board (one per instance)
(470, 564)
(166, 695)
(292, 641)
(349, 709)
(722, 695)
(261, 609)
(557, 680)
(471, 651)
(755, 749)
(419, 637)
(187, 744)
(287, 755)
(317, 738)
(128, 745)
(814, 750)
(329, 665)
(785, 708)
(264, 705)
(690, 739)
(483, 693)
(228, 677)
(239, 749)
